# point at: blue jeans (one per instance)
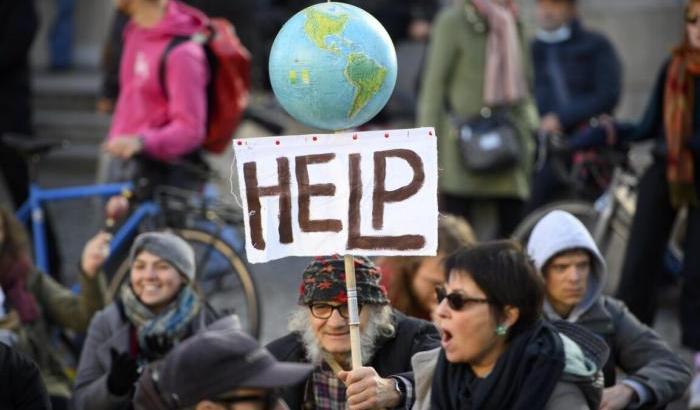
(61, 35)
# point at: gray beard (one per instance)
(378, 326)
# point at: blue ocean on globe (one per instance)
(332, 66)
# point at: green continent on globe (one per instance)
(367, 76)
(319, 25)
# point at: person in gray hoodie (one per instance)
(574, 272)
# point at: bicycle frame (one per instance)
(32, 208)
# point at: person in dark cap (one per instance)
(219, 368)
(153, 311)
(320, 335)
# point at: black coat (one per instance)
(651, 125)
(591, 71)
(21, 387)
(18, 25)
(392, 358)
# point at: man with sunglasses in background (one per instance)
(320, 335)
(574, 273)
(221, 368)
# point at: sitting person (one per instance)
(218, 368)
(320, 335)
(411, 280)
(34, 300)
(497, 352)
(574, 273)
(157, 308)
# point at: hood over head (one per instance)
(560, 231)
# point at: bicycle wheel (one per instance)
(583, 210)
(223, 278)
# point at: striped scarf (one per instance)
(504, 81)
(172, 322)
(679, 100)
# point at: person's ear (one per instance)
(510, 315)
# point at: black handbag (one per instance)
(488, 142)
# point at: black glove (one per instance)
(157, 346)
(123, 373)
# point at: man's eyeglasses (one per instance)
(456, 301)
(325, 310)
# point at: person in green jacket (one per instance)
(33, 301)
(477, 59)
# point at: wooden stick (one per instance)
(355, 345)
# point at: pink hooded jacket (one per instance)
(172, 124)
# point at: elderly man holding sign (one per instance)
(333, 67)
(321, 336)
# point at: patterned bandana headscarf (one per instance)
(679, 100)
(324, 281)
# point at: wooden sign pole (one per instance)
(355, 345)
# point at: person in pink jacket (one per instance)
(164, 120)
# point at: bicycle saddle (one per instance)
(29, 146)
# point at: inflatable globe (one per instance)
(332, 66)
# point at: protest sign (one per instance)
(367, 193)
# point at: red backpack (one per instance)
(229, 84)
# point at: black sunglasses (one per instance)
(456, 301)
(691, 19)
(325, 310)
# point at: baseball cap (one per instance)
(210, 364)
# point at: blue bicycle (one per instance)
(222, 275)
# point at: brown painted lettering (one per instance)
(306, 191)
(254, 192)
(355, 238)
(381, 196)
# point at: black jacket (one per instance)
(392, 358)
(21, 387)
(18, 25)
(591, 72)
(651, 126)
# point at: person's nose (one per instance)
(442, 310)
(336, 320)
(150, 272)
(574, 274)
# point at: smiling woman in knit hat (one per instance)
(155, 310)
(320, 335)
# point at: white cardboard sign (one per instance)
(363, 193)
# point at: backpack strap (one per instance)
(174, 42)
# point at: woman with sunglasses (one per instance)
(497, 352)
(154, 310)
(672, 120)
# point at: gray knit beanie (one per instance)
(168, 247)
